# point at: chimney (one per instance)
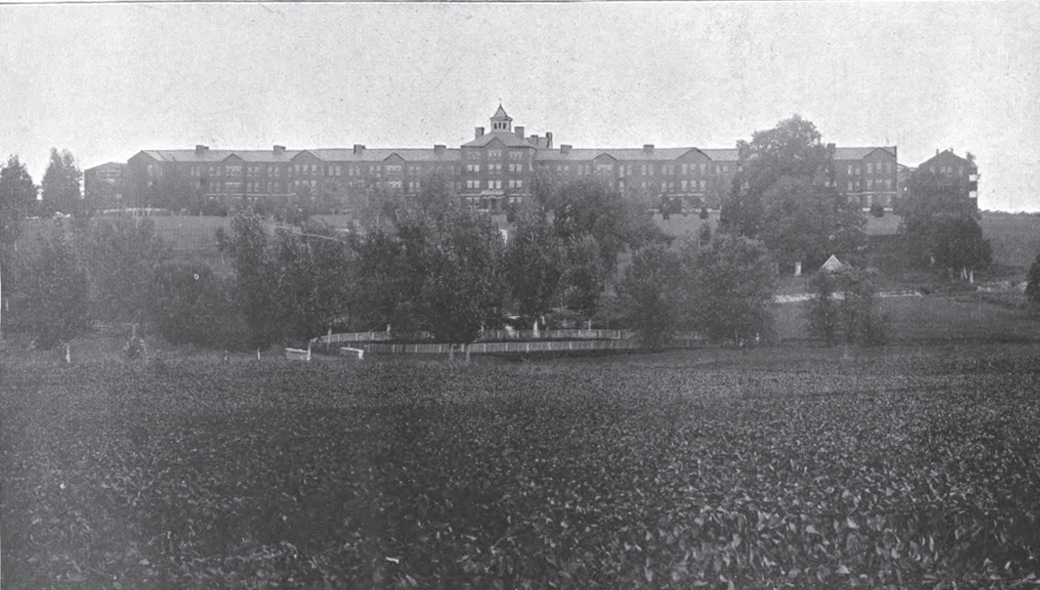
(565, 149)
(479, 133)
(438, 149)
(648, 148)
(201, 149)
(519, 131)
(548, 139)
(831, 147)
(279, 150)
(358, 148)
(534, 139)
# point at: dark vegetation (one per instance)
(893, 470)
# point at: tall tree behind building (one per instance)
(61, 184)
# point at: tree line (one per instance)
(431, 264)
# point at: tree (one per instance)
(189, 304)
(731, 287)
(843, 307)
(17, 200)
(934, 213)
(783, 193)
(958, 244)
(534, 263)
(55, 303)
(806, 221)
(793, 149)
(462, 288)
(121, 256)
(254, 277)
(312, 272)
(1033, 284)
(585, 275)
(649, 294)
(61, 184)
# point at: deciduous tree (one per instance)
(121, 255)
(54, 306)
(650, 294)
(61, 184)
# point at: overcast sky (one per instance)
(106, 81)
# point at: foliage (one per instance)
(17, 200)
(1033, 282)
(585, 276)
(121, 254)
(791, 149)
(843, 307)
(933, 213)
(312, 274)
(255, 282)
(189, 304)
(61, 192)
(807, 221)
(731, 287)
(704, 212)
(462, 287)
(534, 264)
(54, 303)
(959, 244)
(431, 264)
(783, 193)
(877, 210)
(888, 472)
(649, 295)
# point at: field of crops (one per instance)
(707, 469)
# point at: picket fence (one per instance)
(500, 347)
(486, 336)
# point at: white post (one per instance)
(257, 354)
(68, 353)
(971, 276)
(798, 268)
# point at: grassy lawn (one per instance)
(772, 468)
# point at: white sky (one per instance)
(106, 81)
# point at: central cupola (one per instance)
(500, 121)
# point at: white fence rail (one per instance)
(501, 347)
(488, 336)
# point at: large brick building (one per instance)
(496, 168)
(962, 170)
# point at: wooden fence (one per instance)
(486, 336)
(501, 347)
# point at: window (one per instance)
(850, 185)
(704, 169)
(684, 167)
(519, 184)
(870, 183)
(494, 153)
(888, 167)
(684, 185)
(516, 155)
(473, 155)
(702, 186)
(643, 169)
(857, 170)
(870, 168)
(888, 183)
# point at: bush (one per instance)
(843, 308)
(191, 305)
(877, 210)
(1033, 282)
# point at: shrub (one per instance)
(877, 210)
(843, 307)
(191, 305)
(1033, 284)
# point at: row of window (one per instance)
(886, 184)
(493, 184)
(855, 168)
(947, 170)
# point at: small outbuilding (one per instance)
(832, 265)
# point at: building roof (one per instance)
(508, 139)
(858, 153)
(214, 156)
(945, 155)
(629, 154)
(501, 113)
(119, 165)
(380, 154)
